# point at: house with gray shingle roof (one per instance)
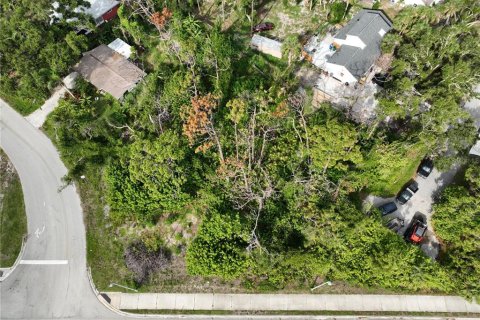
(349, 55)
(109, 71)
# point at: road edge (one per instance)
(9, 271)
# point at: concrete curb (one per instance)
(8, 271)
(289, 303)
(102, 299)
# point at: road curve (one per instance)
(56, 232)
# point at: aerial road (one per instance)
(51, 279)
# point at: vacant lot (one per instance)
(13, 222)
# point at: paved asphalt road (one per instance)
(56, 232)
(52, 281)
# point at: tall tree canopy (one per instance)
(435, 69)
(456, 221)
(36, 50)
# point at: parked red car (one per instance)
(265, 26)
(417, 232)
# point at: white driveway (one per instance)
(38, 117)
(420, 203)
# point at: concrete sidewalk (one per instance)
(38, 117)
(290, 302)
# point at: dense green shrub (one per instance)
(36, 54)
(219, 247)
(456, 221)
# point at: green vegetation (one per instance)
(435, 69)
(36, 53)
(337, 11)
(214, 159)
(13, 221)
(456, 221)
(216, 249)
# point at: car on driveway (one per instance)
(417, 231)
(425, 168)
(265, 26)
(413, 187)
(408, 192)
(404, 196)
(395, 224)
(388, 208)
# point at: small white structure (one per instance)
(476, 149)
(417, 2)
(69, 81)
(121, 47)
(266, 45)
(99, 10)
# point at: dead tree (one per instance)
(143, 262)
(244, 172)
(146, 9)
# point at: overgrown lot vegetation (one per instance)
(13, 221)
(456, 221)
(213, 168)
(35, 53)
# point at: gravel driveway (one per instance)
(420, 204)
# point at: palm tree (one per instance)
(449, 10)
(403, 21)
(429, 14)
(349, 4)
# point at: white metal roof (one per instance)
(121, 47)
(476, 149)
(69, 81)
(98, 7)
(96, 10)
(266, 45)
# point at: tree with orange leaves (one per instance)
(146, 9)
(198, 127)
(159, 19)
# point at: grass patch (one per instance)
(291, 18)
(13, 221)
(392, 175)
(401, 177)
(23, 106)
(104, 249)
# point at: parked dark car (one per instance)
(416, 233)
(425, 168)
(395, 224)
(413, 186)
(265, 26)
(404, 196)
(388, 208)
